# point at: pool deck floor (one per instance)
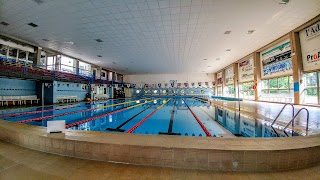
(21, 163)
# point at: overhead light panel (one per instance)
(4, 23)
(33, 24)
(38, 1)
(227, 32)
(250, 31)
(284, 2)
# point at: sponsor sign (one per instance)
(229, 74)
(276, 61)
(310, 47)
(246, 71)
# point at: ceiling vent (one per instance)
(227, 32)
(47, 40)
(250, 31)
(4, 23)
(99, 40)
(38, 1)
(99, 55)
(33, 24)
(228, 50)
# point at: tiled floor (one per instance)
(21, 163)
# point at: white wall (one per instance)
(165, 78)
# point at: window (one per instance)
(13, 53)
(202, 91)
(310, 92)
(51, 61)
(67, 64)
(137, 91)
(3, 50)
(30, 57)
(219, 91)
(85, 69)
(182, 91)
(277, 89)
(155, 91)
(192, 91)
(229, 91)
(22, 55)
(246, 91)
(164, 91)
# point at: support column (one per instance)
(257, 75)
(236, 83)
(216, 84)
(296, 57)
(37, 54)
(77, 66)
(223, 81)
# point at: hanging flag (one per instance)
(128, 85)
(199, 84)
(172, 84)
(206, 83)
(213, 83)
(165, 84)
(159, 85)
(186, 85)
(179, 84)
(192, 84)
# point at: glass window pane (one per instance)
(3, 50)
(291, 82)
(273, 83)
(22, 55)
(283, 82)
(265, 84)
(13, 53)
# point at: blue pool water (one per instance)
(169, 116)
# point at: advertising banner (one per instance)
(246, 71)
(310, 47)
(219, 77)
(229, 74)
(276, 61)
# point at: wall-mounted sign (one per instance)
(310, 47)
(229, 74)
(246, 72)
(276, 61)
(219, 77)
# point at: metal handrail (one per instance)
(292, 120)
(281, 112)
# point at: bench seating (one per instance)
(18, 100)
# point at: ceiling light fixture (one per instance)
(250, 31)
(228, 50)
(227, 32)
(4, 23)
(69, 42)
(33, 24)
(99, 55)
(284, 2)
(99, 40)
(205, 59)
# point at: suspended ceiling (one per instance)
(154, 36)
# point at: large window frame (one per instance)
(310, 93)
(271, 91)
(246, 91)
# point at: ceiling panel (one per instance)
(155, 36)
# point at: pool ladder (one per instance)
(293, 117)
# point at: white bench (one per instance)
(5, 100)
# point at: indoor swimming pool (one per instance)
(181, 116)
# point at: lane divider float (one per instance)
(106, 114)
(72, 112)
(199, 122)
(145, 118)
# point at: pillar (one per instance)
(223, 81)
(296, 57)
(257, 75)
(37, 54)
(77, 66)
(236, 83)
(216, 84)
